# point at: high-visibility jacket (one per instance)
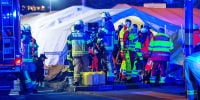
(145, 48)
(69, 47)
(192, 68)
(123, 36)
(109, 36)
(160, 46)
(135, 45)
(29, 49)
(145, 45)
(126, 64)
(196, 38)
(79, 42)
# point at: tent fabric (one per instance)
(154, 22)
(51, 29)
(175, 16)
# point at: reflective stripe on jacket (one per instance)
(123, 36)
(135, 45)
(79, 42)
(160, 46)
(110, 39)
(29, 50)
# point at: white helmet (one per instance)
(72, 28)
(195, 26)
(27, 28)
(22, 28)
(144, 30)
(105, 15)
(79, 22)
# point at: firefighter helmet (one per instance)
(72, 28)
(105, 15)
(79, 22)
(27, 28)
(22, 28)
(195, 26)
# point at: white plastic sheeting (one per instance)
(51, 29)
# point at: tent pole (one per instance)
(188, 27)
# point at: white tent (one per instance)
(51, 29)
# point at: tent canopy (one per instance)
(51, 29)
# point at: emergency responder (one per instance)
(145, 40)
(192, 75)
(116, 54)
(40, 70)
(135, 54)
(28, 67)
(196, 38)
(79, 41)
(109, 41)
(125, 71)
(69, 55)
(160, 46)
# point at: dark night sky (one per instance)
(62, 4)
(56, 4)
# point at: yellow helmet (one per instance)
(105, 15)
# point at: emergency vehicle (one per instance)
(10, 44)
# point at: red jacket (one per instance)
(145, 45)
(196, 38)
(144, 48)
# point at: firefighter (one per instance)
(28, 67)
(109, 41)
(196, 38)
(125, 71)
(160, 46)
(192, 76)
(80, 53)
(69, 55)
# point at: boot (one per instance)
(76, 84)
(39, 84)
(43, 84)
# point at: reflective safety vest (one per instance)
(135, 45)
(69, 47)
(160, 46)
(29, 49)
(123, 36)
(79, 42)
(109, 38)
(196, 38)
